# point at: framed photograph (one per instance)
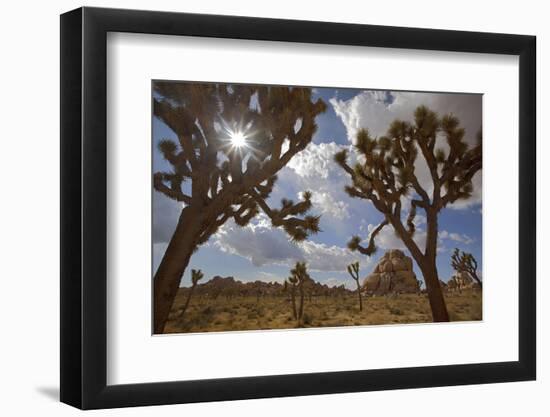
(258, 208)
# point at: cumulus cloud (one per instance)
(388, 239)
(328, 204)
(315, 161)
(257, 242)
(375, 110)
(322, 257)
(264, 245)
(314, 169)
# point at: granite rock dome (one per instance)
(392, 274)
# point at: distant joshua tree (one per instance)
(231, 142)
(353, 270)
(386, 172)
(299, 278)
(419, 291)
(465, 262)
(196, 276)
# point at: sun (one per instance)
(238, 138)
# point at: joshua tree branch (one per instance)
(454, 188)
(298, 229)
(354, 243)
(171, 192)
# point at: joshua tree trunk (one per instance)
(173, 265)
(427, 264)
(293, 297)
(359, 295)
(474, 276)
(301, 311)
(435, 295)
(189, 294)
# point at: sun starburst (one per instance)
(238, 138)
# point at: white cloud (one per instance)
(315, 161)
(375, 111)
(257, 242)
(388, 239)
(323, 257)
(264, 245)
(456, 237)
(314, 169)
(326, 202)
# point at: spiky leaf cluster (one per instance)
(196, 276)
(353, 270)
(299, 274)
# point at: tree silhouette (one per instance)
(231, 142)
(353, 270)
(196, 276)
(299, 278)
(292, 282)
(386, 174)
(465, 262)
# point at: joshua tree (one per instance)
(386, 174)
(419, 289)
(231, 142)
(298, 279)
(196, 276)
(292, 283)
(465, 262)
(353, 270)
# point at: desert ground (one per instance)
(206, 314)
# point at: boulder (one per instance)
(399, 264)
(385, 283)
(405, 280)
(372, 282)
(395, 254)
(393, 273)
(387, 266)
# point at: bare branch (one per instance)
(355, 243)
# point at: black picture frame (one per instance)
(84, 207)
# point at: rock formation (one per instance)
(231, 287)
(393, 274)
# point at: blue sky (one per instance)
(260, 252)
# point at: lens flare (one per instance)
(238, 138)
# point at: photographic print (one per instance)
(288, 207)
